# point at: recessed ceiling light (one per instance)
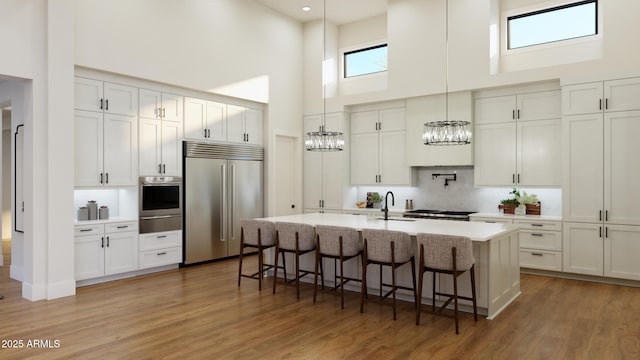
(306, 8)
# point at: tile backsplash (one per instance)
(430, 193)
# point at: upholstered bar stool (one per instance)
(340, 244)
(387, 248)
(258, 234)
(444, 254)
(298, 239)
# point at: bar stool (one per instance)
(445, 254)
(340, 244)
(298, 239)
(258, 234)
(389, 248)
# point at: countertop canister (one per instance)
(92, 205)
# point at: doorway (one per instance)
(287, 152)
(5, 191)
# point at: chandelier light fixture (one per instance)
(323, 140)
(447, 132)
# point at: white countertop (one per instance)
(516, 217)
(477, 231)
(104, 221)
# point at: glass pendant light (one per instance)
(447, 132)
(323, 140)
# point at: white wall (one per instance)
(202, 45)
(416, 35)
(6, 176)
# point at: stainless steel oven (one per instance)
(160, 199)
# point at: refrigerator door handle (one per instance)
(233, 201)
(223, 203)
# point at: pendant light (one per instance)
(447, 132)
(323, 140)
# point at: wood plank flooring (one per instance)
(200, 313)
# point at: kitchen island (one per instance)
(495, 248)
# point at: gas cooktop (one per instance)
(438, 214)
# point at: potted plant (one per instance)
(531, 203)
(375, 199)
(528, 203)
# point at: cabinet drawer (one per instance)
(541, 259)
(149, 259)
(543, 240)
(492, 220)
(540, 225)
(82, 230)
(160, 240)
(121, 227)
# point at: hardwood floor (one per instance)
(200, 313)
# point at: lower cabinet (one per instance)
(161, 248)
(621, 249)
(105, 249)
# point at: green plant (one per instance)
(375, 197)
(520, 198)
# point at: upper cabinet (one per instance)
(378, 151)
(209, 120)
(433, 108)
(244, 125)
(613, 95)
(517, 140)
(159, 105)
(103, 96)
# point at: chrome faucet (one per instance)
(386, 204)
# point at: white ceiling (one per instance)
(338, 11)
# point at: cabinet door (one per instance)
(195, 118)
(216, 121)
(495, 154)
(121, 253)
(235, 123)
(621, 249)
(622, 167)
(364, 158)
(392, 120)
(150, 104)
(172, 107)
(313, 186)
(171, 148)
(582, 99)
(89, 256)
(333, 179)
(120, 99)
(149, 140)
(88, 93)
(582, 249)
(538, 155)
(622, 95)
(393, 168)
(538, 106)
(583, 162)
(364, 122)
(253, 126)
(493, 110)
(88, 137)
(120, 150)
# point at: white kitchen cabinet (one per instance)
(244, 125)
(325, 173)
(433, 108)
(205, 120)
(158, 249)
(378, 151)
(583, 251)
(105, 249)
(160, 147)
(607, 96)
(621, 249)
(107, 97)
(517, 140)
(160, 105)
(106, 149)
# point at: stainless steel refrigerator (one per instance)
(223, 183)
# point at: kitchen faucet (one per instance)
(386, 204)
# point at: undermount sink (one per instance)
(396, 219)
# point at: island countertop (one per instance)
(476, 231)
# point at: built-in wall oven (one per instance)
(160, 203)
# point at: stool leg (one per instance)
(419, 295)
(473, 293)
(433, 305)
(315, 272)
(297, 268)
(259, 267)
(380, 281)
(341, 276)
(240, 257)
(455, 287)
(413, 277)
(275, 268)
(393, 279)
(363, 288)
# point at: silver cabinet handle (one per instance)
(164, 113)
(223, 204)
(233, 199)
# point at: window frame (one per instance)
(521, 13)
(357, 49)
